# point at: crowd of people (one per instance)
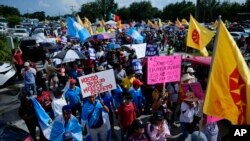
(58, 91)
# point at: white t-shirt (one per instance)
(57, 105)
(187, 113)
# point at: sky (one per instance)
(61, 7)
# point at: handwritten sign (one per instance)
(163, 69)
(152, 50)
(97, 82)
(196, 88)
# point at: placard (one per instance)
(136, 63)
(162, 69)
(152, 50)
(140, 49)
(97, 82)
(196, 88)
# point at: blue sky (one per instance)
(56, 7)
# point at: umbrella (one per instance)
(113, 46)
(101, 36)
(111, 22)
(70, 55)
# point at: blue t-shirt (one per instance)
(73, 96)
(138, 99)
(117, 96)
(107, 99)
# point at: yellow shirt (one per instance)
(126, 83)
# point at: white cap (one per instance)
(186, 77)
(190, 69)
(26, 64)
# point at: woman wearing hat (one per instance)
(187, 114)
(158, 129)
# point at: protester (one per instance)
(138, 97)
(187, 114)
(19, 62)
(58, 102)
(74, 97)
(158, 129)
(138, 132)
(92, 118)
(191, 72)
(51, 73)
(126, 114)
(66, 122)
(29, 78)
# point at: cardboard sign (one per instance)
(152, 50)
(162, 69)
(97, 82)
(140, 49)
(196, 88)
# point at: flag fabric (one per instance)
(160, 23)
(198, 36)
(113, 17)
(228, 89)
(135, 35)
(75, 30)
(150, 23)
(43, 118)
(88, 25)
(227, 23)
(102, 23)
(184, 22)
(178, 23)
(215, 24)
(79, 21)
(155, 24)
(119, 24)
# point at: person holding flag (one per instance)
(64, 123)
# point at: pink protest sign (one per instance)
(198, 92)
(211, 119)
(162, 69)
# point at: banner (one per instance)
(97, 83)
(140, 49)
(152, 50)
(162, 69)
(136, 63)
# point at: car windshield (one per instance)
(38, 31)
(27, 43)
(20, 31)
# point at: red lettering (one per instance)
(103, 80)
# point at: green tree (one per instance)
(124, 14)
(13, 20)
(91, 10)
(180, 9)
(6, 11)
(5, 52)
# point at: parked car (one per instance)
(12, 133)
(31, 50)
(237, 35)
(7, 73)
(3, 30)
(20, 33)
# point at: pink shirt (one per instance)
(152, 134)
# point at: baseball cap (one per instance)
(190, 69)
(158, 115)
(66, 108)
(72, 81)
(137, 82)
(26, 64)
(67, 135)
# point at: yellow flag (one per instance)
(178, 23)
(102, 23)
(184, 22)
(87, 24)
(228, 89)
(160, 23)
(79, 20)
(150, 23)
(215, 24)
(198, 36)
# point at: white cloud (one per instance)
(41, 3)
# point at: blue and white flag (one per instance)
(135, 35)
(75, 30)
(43, 118)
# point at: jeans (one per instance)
(185, 131)
(27, 88)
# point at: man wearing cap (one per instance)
(29, 74)
(74, 97)
(138, 98)
(191, 72)
(58, 102)
(66, 122)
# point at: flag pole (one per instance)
(214, 51)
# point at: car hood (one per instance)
(5, 66)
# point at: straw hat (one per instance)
(186, 77)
